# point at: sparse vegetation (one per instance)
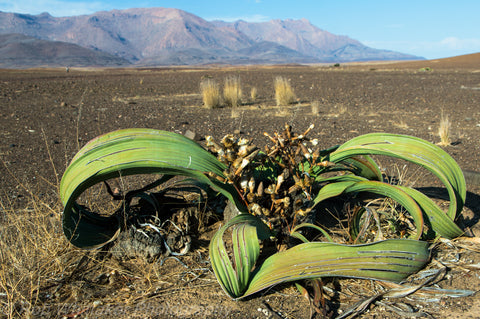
(315, 107)
(232, 91)
(284, 94)
(425, 69)
(43, 276)
(444, 130)
(400, 123)
(210, 93)
(32, 254)
(276, 193)
(253, 93)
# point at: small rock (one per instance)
(63, 104)
(192, 135)
(230, 211)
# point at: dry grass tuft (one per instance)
(232, 91)
(253, 93)
(210, 93)
(338, 110)
(33, 254)
(315, 107)
(284, 94)
(42, 275)
(444, 130)
(400, 123)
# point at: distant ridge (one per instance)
(167, 36)
(466, 61)
(18, 50)
(304, 37)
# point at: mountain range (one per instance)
(167, 36)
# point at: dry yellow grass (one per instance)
(444, 130)
(253, 93)
(33, 254)
(42, 275)
(210, 93)
(232, 91)
(400, 123)
(284, 94)
(315, 107)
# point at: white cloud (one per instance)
(455, 43)
(56, 8)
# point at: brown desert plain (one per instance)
(47, 115)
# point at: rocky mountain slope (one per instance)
(165, 36)
(18, 50)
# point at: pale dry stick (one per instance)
(295, 110)
(9, 304)
(399, 292)
(241, 120)
(343, 230)
(51, 158)
(79, 117)
(409, 180)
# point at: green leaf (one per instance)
(392, 260)
(248, 229)
(396, 193)
(129, 152)
(435, 218)
(366, 166)
(294, 232)
(422, 153)
(415, 150)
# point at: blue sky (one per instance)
(428, 28)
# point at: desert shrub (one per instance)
(232, 91)
(210, 93)
(276, 192)
(284, 94)
(315, 107)
(253, 93)
(282, 185)
(444, 130)
(425, 69)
